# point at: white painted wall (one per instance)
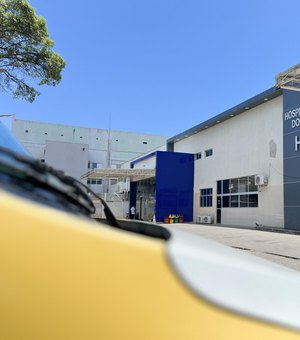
(148, 163)
(143, 162)
(72, 158)
(124, 145)
(241, 148)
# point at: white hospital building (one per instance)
(241, 167)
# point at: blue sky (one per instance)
(160, 66)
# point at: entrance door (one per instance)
(219, 205)
(146, 208)
(145, 199)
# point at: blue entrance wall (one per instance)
(174, 185)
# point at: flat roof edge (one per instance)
(259, 99)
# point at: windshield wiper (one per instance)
(28, 177)
(30, 174)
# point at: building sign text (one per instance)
(294, 116)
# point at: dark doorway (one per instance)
(219, 205)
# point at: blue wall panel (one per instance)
(174, 185)
(291, 159)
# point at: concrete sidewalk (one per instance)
(282, 247)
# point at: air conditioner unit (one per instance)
(199, 219)
(204, 219)
(260, 180)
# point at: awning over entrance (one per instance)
(133, 174)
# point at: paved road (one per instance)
(278, 247)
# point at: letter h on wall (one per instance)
(297, 143)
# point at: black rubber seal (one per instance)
(142, 228)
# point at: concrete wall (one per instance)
(72, 158)
(123, 145)
(241, 147)
(105, 148)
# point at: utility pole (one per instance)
(108, 157)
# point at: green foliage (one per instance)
(26, 51)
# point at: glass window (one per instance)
(93, 165)
(225, 202)
(235, 192)
(252, 186)
(94, 181)
(197, 155)
(219, 187)
(253, 201)
(206, 197)
(208, 152)
(243, 184)
(234, 201)
(244, 201)
(209, 201)
(233, 185)
(226, 186)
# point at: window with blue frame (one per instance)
(206, 197)
(238, 192)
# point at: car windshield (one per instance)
(7, 140)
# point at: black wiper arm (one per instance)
(31, 170)
(108, 213)
(43, 176)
